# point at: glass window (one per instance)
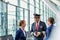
(37, 10)
(0, 18)
(11, 20)
(52, 14)
(31, 15)
(23, 4)
(49, 12)
(12, 32)
(18, 13)
(11, 24)
(31, 8)
(37, 1)
(0, 6)
(45, 17)
(26, 18)
(3, 25)
(41, 4)
(0, 24)
(37, 5)
(14, 2)
(32, 2)
(45, 14)
(42, 11)
(21, 14)
(31, 18)
(2, 33)
(11, 10)
(25, 0)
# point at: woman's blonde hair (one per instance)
(21, 22)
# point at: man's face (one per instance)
(37, 18)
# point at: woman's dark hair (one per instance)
(51, 20)
(21, 22)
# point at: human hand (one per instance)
(37, 34)
(44, 33)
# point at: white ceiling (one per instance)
(56, 2)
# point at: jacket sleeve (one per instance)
(44, 27)
(17, 36)
(47, 33)
(32, 28)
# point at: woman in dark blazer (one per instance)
(51, 22)
(21, 34)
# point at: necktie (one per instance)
(37, 26)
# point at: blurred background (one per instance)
(12, 11)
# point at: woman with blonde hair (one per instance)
(21, 33)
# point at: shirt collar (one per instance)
(22, 29)
(38, 22)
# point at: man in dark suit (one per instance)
(38, 28)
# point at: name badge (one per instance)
(41, 26)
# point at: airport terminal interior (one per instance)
(12, 11)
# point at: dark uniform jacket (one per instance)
(42, 27)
